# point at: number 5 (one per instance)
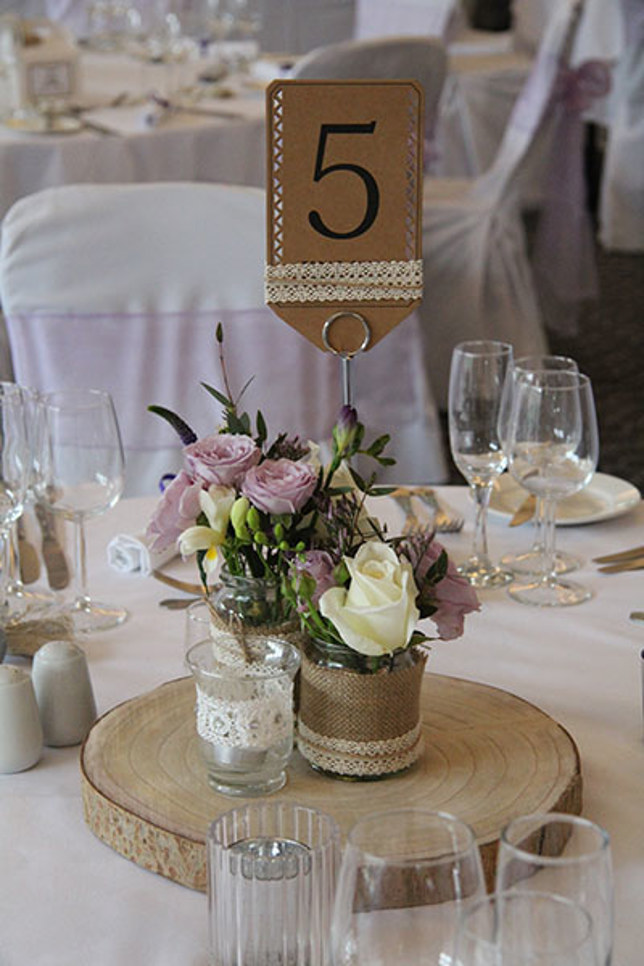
(373, 195)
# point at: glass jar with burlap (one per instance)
(360, 720)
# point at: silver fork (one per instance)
(445, 520)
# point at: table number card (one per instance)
(344, 198)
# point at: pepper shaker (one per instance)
(64, 693)
(21, 735)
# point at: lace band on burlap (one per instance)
(354, 757)
(303, 282)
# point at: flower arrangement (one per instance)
(270, 509)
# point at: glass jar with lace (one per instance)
(244, 710)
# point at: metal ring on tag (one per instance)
(346, 315)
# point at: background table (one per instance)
(227, 149)
(68, 900)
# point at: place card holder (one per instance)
(344, 193)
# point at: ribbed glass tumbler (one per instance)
(272, 870)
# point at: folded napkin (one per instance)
(130, 554)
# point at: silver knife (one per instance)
(52, 552)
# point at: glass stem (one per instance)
(4, 576)
(14, 583)
(537, 546)
(548, 536)
(80, 556)
(481, 496)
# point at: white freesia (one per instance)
(216, 503)
(377, 613)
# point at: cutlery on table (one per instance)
(52, 552)
(622, 555)
(171, 108)
(178, 603)
(28, 558)
(445, 520)
(622, 566)
(178, 584)
(524, 512)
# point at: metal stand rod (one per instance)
(345, 362)
(346, 357)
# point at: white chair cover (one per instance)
(426, 18)
(622, 191)
(477, 278)
(418, 58)
(121, 287)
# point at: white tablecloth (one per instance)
(227, 149)
(66, 899)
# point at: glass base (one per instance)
(90, 617)
(483, 575)
(532, 562)
(554, 593)
(242, 790)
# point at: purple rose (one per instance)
(221, 459)
(319, 565)
(177, 510)
(279, 486)
(453, 595)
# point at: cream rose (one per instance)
(377, 613)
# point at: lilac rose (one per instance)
(222, 459)
(453, 596)
(279, 486)
(319, 565)
(177, 510)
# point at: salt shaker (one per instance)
(64, 692)
(21, 735)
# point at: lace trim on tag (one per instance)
(344, 281)
(360, 757)
(258, 722)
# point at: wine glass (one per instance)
(525, 929)
(565, 855)
(552, 450)
(405, 876)
(25, 602)
(477, 375)
(79, 470)
(15, 468)
(531, 561)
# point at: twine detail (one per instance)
(304, 282)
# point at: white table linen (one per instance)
(183, 147)
(66, 899)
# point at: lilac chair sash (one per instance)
(564, 258)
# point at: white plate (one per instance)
(605, 497)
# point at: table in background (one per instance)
(68, 900)
(184, 147)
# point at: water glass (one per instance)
(524, 929)
(552, 448)
(405, 877)
(272, 869)
(565, 855)
(244, 711)
(532, 561)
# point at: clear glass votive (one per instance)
(244, 711)
(272, 869)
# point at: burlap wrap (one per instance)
(361, 725)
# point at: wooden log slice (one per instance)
(489, 756)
